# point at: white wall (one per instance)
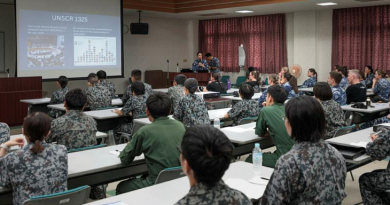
(7, 25)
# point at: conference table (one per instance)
(37, 105)
(170, 192)
(256, 96)
(369, 92)
(357, 116)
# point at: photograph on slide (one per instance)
(45, 50)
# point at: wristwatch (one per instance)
(4, 147)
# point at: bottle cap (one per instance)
(257, 145)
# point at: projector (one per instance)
(139, 28)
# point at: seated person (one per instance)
(157, 141)
(247, 107)
(97, 96)
(58, 97)
(254, 81)
(369, 76)
(272, 80)
(289, 83)
(374, 185)
(344, 72)
(192, 109)
(102, 79)
(215, 85)
(338, 93)
(201, 147)
(309, 83)
(250, 69)
(334, 115)
(134, 107)
(37, 169)
(312, 172)
(136, 75)
(284, 70)
(74, 129)
(177, 91)
(4, 133)
(270, 123)
(356, 92)
(381, 120)
(381, 86)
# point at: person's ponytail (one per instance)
(37, 148)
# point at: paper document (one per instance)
(359, 144)
(116, 203)
(239, 130)
(116, 152)
(253, 191)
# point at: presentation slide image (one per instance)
(45, 50)
(94, 51)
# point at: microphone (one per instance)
(177, 67)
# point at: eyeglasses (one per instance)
(178, 146)
(284, 118)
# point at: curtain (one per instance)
(361, 36)
(263, 37)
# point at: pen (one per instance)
(376, 133)
(264, 178)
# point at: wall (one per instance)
(7, 25)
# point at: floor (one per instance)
(352, 187)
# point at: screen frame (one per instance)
(78, 78)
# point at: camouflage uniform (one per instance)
(221, 193)
(35, 174)
(263, 98)
(344, 83)
(242, 109)
(128, 93)
(133, 108)
(310, 173)
(373, 185)
(176, 93)
(377, 121)
(214, 63)
(192, 111)
(290, 91)
(363, 82)
(57, 97)
(382, 89)
(369, 80)
(309, 83)
(110, 86)
(339, 95)
(4, 133)
(195, 66)
(334, 116)
(98, 97)
(74, 130)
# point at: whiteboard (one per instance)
(2, 52)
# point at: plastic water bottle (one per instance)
(228, 84)
(257, 157)
(217, 123)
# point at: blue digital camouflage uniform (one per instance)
(176, 93)
(133, 108)
(128, 93)
(4, 133)
(339, 95)
(382, 88)
(192, 111)
(222, 194)
(334, 117)
(214, 63)
(369, 80)
(263, 98)
(289, 90)
(74, 130)
(196, 68)
(373, 185)
(98, 97)
(363, 82)
(32, 175)
(57, 97)
(243, 109)
(377, 121)
(309, 83)
(110, 86)
(344, 83)
(309, 174)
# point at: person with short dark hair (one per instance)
(369, 76)
(289, 82)
(380, 85)
(338, 93)
(254, 81)
(157, 141)
(205, 156)
(200, 63)
(177, 91)
(133, 108)
(313, 76)
(344, 72)
(98, 96)
(136, 75)
(102, 78)
(38, 168)
(272, 80)
(215, 84)
(356, 92)
(312, 172)
(213, 63)
(270, 123)
(58, 96)
(334, 115)
(247, 107)
(192, 109)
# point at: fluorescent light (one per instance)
(244, 11)
(327, 4)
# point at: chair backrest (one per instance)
(87, 148)
(75, 196)
(169, 174)
(240, 80)
(224, 79)
(247, 120)
(344, 131)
